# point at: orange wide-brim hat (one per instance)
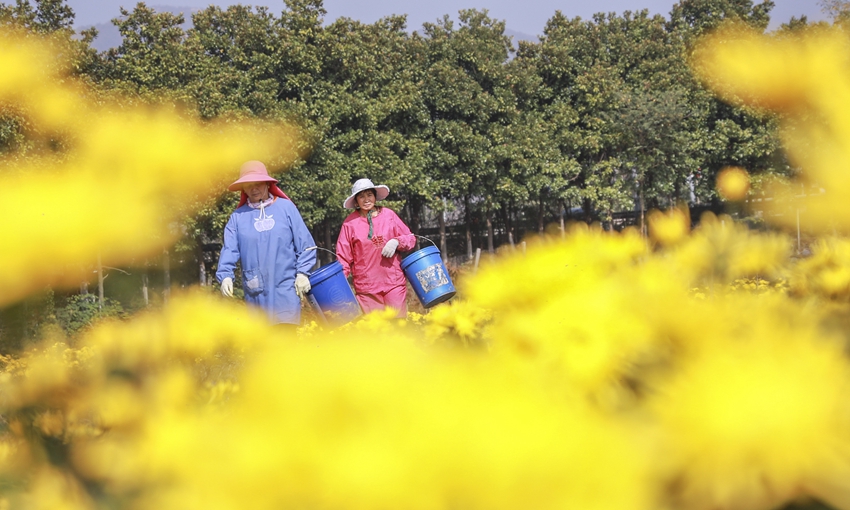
(255, 171)
(251, 171)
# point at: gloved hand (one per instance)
(389, 248)
(302, 284)
(227, 287)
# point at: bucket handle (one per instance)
(318, 248)
(429, 240)
(323, 249)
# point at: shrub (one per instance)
(82, 311)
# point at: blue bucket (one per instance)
(428, 276)
(331, 296)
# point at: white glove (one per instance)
(227, 287)
(302, 284)
(389, 248)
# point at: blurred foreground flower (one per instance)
(733, 183)
(129, 174)
(365, 425)
(806, 80)
(826, 273)
(668, 228)
(771, 409)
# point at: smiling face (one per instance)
(256, 191)
(365, 200)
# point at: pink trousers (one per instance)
(394, 298)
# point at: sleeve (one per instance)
(303, 239)
(343, 251)
(229, 254)
(406, 240)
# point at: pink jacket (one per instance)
(361, 256)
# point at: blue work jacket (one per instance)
(272, 250)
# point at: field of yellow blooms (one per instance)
(698, 370)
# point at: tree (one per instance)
(45, 17)
(151, 57)
(835, 9)
(696, 17)
(574, 60)
(655, 145)
(531, 149)
(236, 61)
(468, 96)
(726, 134)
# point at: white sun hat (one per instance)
(381, 191)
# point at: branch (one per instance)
(116, 269)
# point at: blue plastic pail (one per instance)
(331, 296)
(428, 276)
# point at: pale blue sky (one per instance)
(525, 16)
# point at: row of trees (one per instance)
(600, 114)
(597, 116)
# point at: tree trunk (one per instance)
(166, 275)
(677, 192)
(145, 288)
(490, 248)
(468, 227)
(506, 219)
(563, 211)
(99, 283)
(415, 218)
(202, 267)
(642, 216)
(443, 249)
(540, 210)
(587, 209)
(329, 245)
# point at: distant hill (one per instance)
(108, 36)
(519, 36)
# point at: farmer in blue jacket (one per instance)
(267, 234)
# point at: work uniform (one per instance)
(271, 242)
(378, 280)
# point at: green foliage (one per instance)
(152, 55)
(46, 16)
(467, 92)
(81, 311)
(698, 16)
(23, 323)
(12, 132)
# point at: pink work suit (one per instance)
(378, 281)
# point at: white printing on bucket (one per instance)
(432, 277)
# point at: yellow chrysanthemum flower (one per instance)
(806, 79)
(750, 423)
(671, 227)
(733, 183)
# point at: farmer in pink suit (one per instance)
(368, 247)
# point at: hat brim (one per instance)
(381, 192)
(237, 185)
